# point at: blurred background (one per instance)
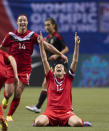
(90, 18)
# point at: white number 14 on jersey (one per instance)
(22, 46)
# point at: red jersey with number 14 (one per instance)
(21, 47)
(59, 92)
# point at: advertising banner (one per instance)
(90, 19)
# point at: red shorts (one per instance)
(58, 117)
(24, 77)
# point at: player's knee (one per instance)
(9, 93)
(18, 92)
(9, 89)
(43, 86)
(78, 123)
(40, 123)
(75, 123)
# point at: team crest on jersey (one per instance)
(51, 41)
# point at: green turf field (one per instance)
(90, 104)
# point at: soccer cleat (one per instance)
(33, 109)
(86, 124)
(9, 118)
(4, 103)
(3, 124)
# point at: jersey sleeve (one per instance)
(5, 42)
(35, 36)
(49, 75)
(71, 74)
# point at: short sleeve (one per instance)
(49, 75)
(35, 36)
(71, 74)
(5, 42)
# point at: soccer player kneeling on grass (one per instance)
(59, 92)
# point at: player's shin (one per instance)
(42, 98)
(14, 104)
(5, 100)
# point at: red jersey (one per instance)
(3, 63)
(20, 46)
(59, 92)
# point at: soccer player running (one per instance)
(57, 41)
(59, 92)
(20, 44)
(5, 61)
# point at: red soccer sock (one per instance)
(83, 123)
(5, 95)
(14, 104)
(1, 112)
